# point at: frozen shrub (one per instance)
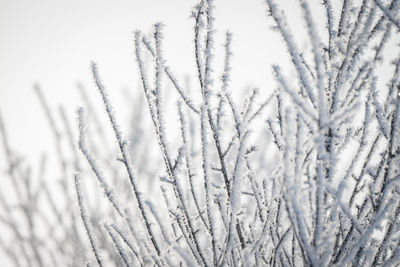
(318, 188)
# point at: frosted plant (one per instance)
(346, 217)
(313, 181)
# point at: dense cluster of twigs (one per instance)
(312, 181)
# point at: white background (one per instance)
(52, 43)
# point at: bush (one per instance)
(319, 187)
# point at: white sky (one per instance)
(52, 42)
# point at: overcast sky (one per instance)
(52, 43)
